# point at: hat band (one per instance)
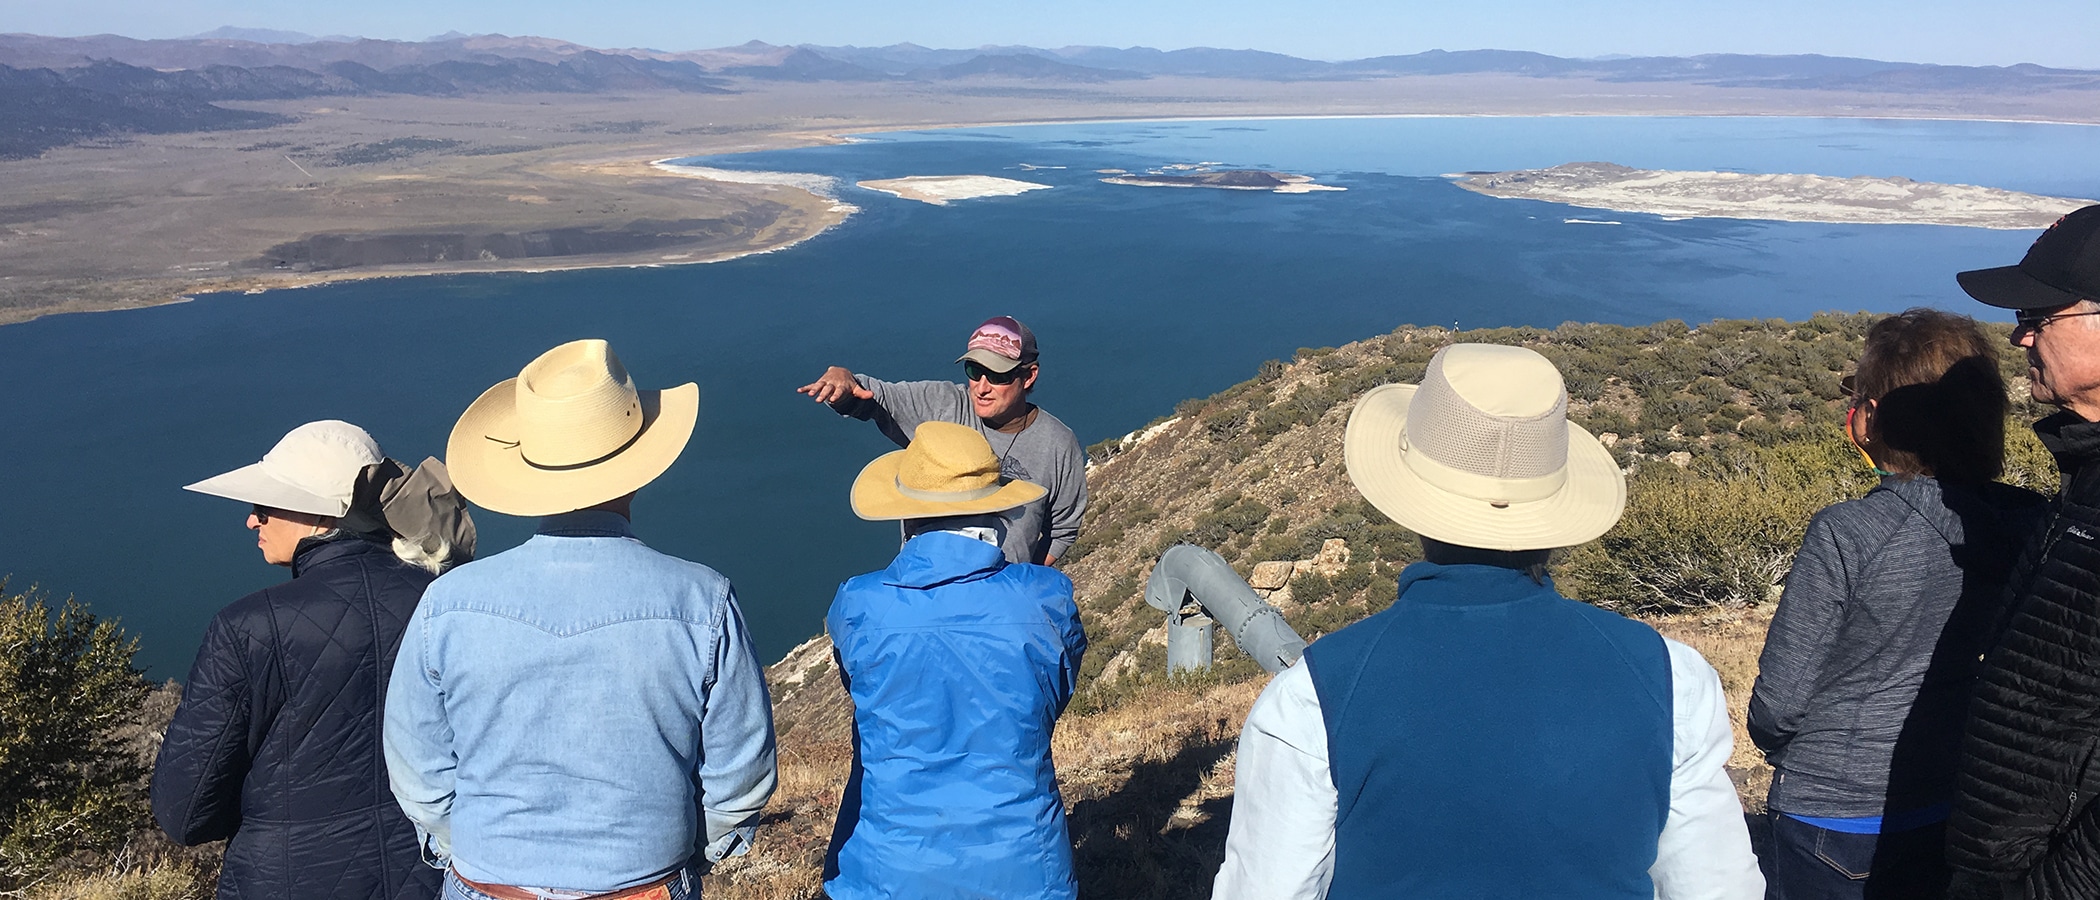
(948, 496)
(616, 451)
(1490, 488)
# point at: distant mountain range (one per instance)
(55, 91)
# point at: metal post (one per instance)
(1189, 642)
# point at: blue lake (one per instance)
(1141, 297)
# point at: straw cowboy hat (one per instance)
(948, 470)
(1482, 454)
(569, 432)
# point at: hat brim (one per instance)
(2007, 287)
(1584, 508)
(875, 496)
(992, 361)
(250, 484)
(489, 467)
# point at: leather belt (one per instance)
(659, 889)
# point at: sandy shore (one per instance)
(1785, 198)
(149, 219)
(939, 189)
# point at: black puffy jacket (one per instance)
(277, 742)
(2024, 823)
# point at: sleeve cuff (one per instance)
(736, 843)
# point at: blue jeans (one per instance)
(1811, 863)
(680, 888)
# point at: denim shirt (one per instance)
(579, 713)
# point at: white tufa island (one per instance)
(1786, 198)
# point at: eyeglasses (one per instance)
(261, 513)
(972, 371)
(2027, 320)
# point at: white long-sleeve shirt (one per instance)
(1281, 846)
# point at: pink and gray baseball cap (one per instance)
(1000, 344)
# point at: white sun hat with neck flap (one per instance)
(1482, 454)
(313, 469)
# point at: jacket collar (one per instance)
(586, 523)
(2073, 440)
(316, 553)
(938, 557)
(1469, 585)
(1932, 501)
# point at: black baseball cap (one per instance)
(2062, 268)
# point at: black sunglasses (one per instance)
(973, 371)
(261, 513)
(2031, 321)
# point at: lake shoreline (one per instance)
(829, 211)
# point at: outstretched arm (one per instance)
(835, 386)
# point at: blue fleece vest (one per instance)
(1490, 738)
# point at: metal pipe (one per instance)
(1189, 642)
(1191, 583)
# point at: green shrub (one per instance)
(1719, 533)
(1238, 518)
(70, 786)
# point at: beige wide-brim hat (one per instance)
(571, 431)
(313, 469)
(1481, 454)
(948, 470)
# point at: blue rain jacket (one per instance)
(958, 663)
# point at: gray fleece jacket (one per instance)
(1867, 668)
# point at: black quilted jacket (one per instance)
(2024, 823)
(277, 744)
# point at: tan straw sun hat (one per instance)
(569, 432)
(1482, 454)
(948, 470)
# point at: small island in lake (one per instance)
(1786, 198)
(1229, 179)
(939, 189)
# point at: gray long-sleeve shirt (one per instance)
(1868, 666)
(1045, 453)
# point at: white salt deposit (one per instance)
(939, 189)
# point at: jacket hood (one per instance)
(312, 553)
(938, 557)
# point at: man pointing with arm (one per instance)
(1000, 368)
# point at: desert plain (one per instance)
(395, 185)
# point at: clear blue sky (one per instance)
(1965, 32)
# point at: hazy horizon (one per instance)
(2051, 33)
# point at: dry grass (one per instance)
(166, 880)
(1731, 641)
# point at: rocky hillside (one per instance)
(1729, 433)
